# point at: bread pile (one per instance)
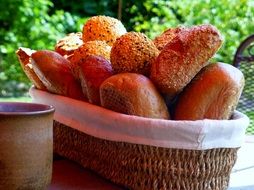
(169, 77)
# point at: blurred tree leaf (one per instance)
(38, 24)
(28, 23)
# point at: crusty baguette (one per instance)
(93, 71)
(133, 94)
(53, 70)
(182, 58)
(24, 55)
(212, 94)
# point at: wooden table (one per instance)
(68, 175)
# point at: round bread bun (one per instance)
(133, 52)
(133, 94)
(212, 94)
(161, 41)
(100, 48)
(103, 28)
(66, 45)
(183, 57)
(94, 70)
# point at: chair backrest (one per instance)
(244, 60)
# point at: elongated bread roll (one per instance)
(182, 58)
(53, 70)
(24, 55)
(94, 70)
(212, 94)
(133, 94)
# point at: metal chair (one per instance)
(244, 60)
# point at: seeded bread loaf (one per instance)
(103, 28)
(133, 52)
(162, 40)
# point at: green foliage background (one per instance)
(38, 24)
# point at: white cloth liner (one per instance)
(105, 124)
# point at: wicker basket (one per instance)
(146, 167)
(143, 154)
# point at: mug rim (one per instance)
(37, 110)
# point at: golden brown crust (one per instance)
(133, 94)
(66, 45)
(93, 71)
(168, 35)
(24, 55)
(100, 48)
(103, 28)
(53, 70)
(212, 94)
(183, 57)
(133, 52)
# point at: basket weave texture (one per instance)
(143, 167)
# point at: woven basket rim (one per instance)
(105, 124)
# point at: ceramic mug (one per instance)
(26, 145)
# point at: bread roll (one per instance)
(93, 71)
(212, 94)
(24, 55)
(103, 28)
(183, 57)
(133, 94)
(133, 52)
(53, 70)
(66, 45)
(168, 35)
(100, 48)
